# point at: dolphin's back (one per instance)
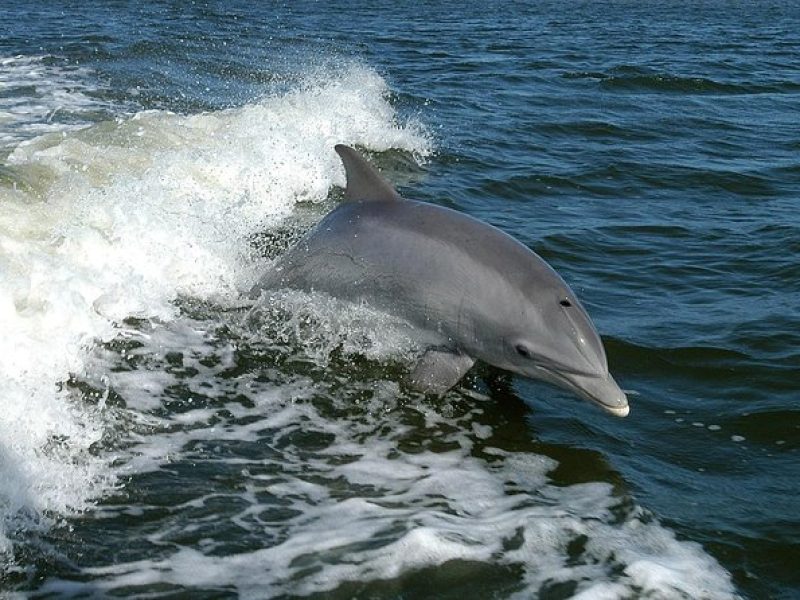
(424, 262)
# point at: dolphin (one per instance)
(478, 293)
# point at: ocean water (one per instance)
(158, 439)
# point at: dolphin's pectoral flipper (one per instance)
(439, 370)
(364, 183)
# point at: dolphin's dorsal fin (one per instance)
(364, 183)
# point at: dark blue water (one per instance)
(650, 153)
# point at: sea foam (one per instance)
(43, 94)
(354, 486)
(116, 220)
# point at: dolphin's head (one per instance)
(555, 341)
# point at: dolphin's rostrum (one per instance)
(479, 293)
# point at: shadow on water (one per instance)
(453, 580)
(515, 429)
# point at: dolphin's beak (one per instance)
(602, 390)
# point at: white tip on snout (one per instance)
(619, 411)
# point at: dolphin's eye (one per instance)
(523, 351)
(565, 302)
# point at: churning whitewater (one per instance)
(120, 218)
(262, 457)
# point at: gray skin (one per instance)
(477, 293)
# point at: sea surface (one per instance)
(161, 438)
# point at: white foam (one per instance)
(321, 324)
(42, 94)
(118, 220)
(398, 511)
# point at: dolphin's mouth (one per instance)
(600, 389)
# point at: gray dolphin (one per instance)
(477, 292)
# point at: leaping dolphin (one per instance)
(478, 292)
